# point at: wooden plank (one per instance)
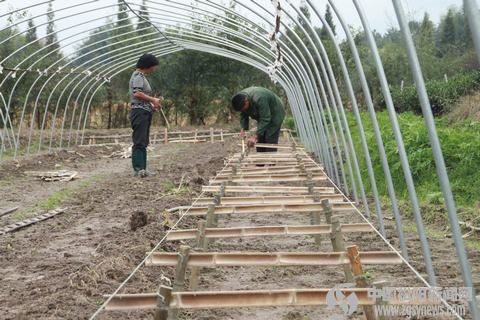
(238, 299)
(266, 172)
(269, 199)
(190, 234)
(270, 178)
(269, 189)
(266, 163)
(266, 208)
(278, 146)
(265, 158)
(278, 259)
(206, 131)
(101, 145)
(273, 206)
(275, 168)
(187, 141)
(110, 137)
(286, 176)
(270, 155)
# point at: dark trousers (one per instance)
(141, 121)
(270, 136)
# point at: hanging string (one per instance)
(275, 45)
(149, 22)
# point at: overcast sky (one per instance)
(380, 13)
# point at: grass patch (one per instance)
(473, 244)
(171, 188)
(9, 154)
(434, 233)
(466, 109)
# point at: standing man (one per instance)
(142, 105)
(264, 106)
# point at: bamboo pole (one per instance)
(180, 273)
(242, 232)
(360, 278)
(200, 245)
(338, 245)
(163, 303)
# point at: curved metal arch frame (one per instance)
(38, 60)
(71, 93)
(57, 85)
(399, 142)
(69, 44)
(437, 155)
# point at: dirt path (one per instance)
(61, 268)
(21, 190)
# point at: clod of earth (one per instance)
(138, 220)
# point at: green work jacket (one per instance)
(265, 107)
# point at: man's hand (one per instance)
(156, 103)
(251, 142)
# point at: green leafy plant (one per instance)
(461, 149)
(443, 95)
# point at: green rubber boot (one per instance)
(144, 154)
(137, 161)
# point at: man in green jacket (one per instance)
(264, 106)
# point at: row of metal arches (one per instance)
(319, 111)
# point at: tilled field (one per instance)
(63, 267)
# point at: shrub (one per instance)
(443, 95)
(289, 123)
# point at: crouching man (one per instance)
(264, 106)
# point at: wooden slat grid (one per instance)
(236, 191)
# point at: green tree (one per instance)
(99, 38)
(51, 40)
(447, 33)
(329, 21)
(31, 34)
(144, 25)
